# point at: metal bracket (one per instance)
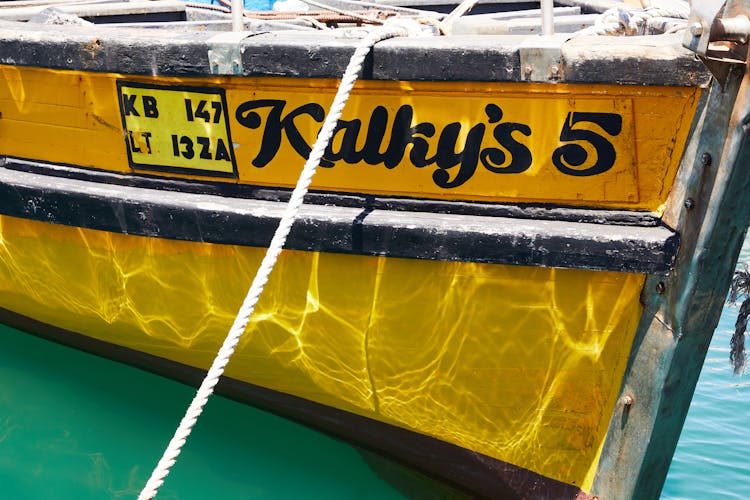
(541, 58)
(225, 52)
(718, 33)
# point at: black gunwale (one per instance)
(368, 229)
(646, 60)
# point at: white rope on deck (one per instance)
(394, 28)
(632, 21)
(446, 25)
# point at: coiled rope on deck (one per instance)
(627, 20)
(393, 28)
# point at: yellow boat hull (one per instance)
(520, 364)
(467, 287)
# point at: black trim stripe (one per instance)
(250, 222)
(479, 475)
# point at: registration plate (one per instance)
(177, 129)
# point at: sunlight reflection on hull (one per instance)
(521, 364)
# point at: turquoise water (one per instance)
(711, 456)
(76, 426)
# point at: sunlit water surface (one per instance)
(76, 426)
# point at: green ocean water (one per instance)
(74, 426)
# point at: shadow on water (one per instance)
(73, 425)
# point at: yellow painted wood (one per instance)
(522, 364)
(75, 118)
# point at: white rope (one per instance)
(446, 25)
(632, 21)
(393, 29)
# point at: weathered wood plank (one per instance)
(627, 60)
(710, 208)
(419, 235)
(96, 9)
